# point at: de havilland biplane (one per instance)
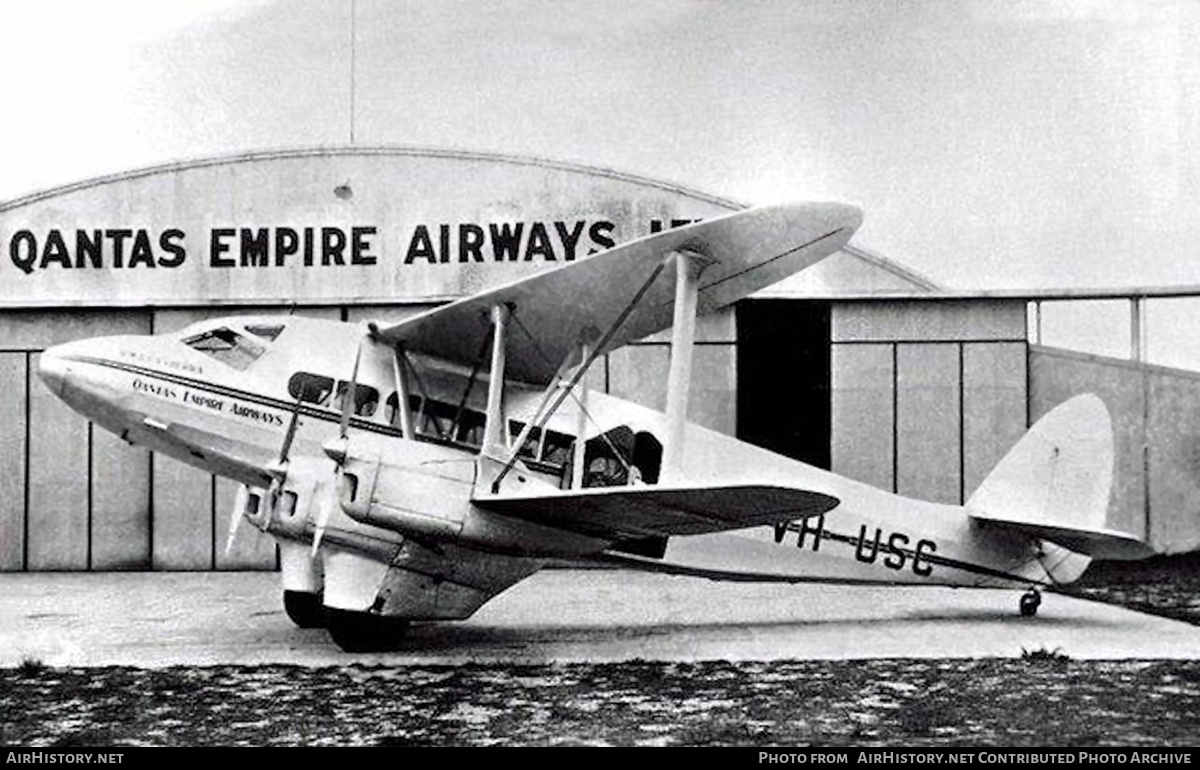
(413, 471)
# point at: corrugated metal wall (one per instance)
(71, 497)
(1156, 422)
(638, 372)
(926, 395)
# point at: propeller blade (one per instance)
(351, 396)
(290, 435)
(328, 498)
(239, 505)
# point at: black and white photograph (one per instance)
(819, 378)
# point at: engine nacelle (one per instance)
(431, 502)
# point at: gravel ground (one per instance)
(1042, 699)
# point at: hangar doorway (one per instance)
(783, 375)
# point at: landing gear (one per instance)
(364, 631)
(1030, 601)
(304, 608)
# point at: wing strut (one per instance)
(593, 351)
(688, 267)
(495, 430)
(403, 410)
(580, 430)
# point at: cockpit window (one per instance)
(266, 331)
(227, 346)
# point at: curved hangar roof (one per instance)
(347, 225)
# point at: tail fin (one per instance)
(1054, 485)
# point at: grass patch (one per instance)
(31, 667)
(1042, 656)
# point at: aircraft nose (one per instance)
(53, 369)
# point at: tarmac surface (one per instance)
(207, 618)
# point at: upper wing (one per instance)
(614, 513)
(748, 250)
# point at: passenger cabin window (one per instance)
(607, 458)
(529, 449)
(226, 346)
(266, 331)
(310, 388)
(548, 447)
(366, 399)
(557, 448)
(437, 420)
(391, 409)
(318, 389)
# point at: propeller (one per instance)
(325, 496)
(338, 449)
(278, 471)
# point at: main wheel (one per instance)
(1030, 601)
(363, 631)
(304, 608)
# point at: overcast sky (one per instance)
(992, 143)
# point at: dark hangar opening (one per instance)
(783, 364)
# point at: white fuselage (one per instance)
(227, 410)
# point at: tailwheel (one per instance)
(364, 631)
(1030, 601)
(305, 609)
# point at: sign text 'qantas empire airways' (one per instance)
(31, 251)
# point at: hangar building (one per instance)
(856, 364)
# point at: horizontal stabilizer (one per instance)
(1054, 485)
(1097, 543)
(628, 512)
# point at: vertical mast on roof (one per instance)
(353, 62)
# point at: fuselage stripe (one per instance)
(328, 415)
(932, 558)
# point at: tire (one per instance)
(305, 609)
(364, 632)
